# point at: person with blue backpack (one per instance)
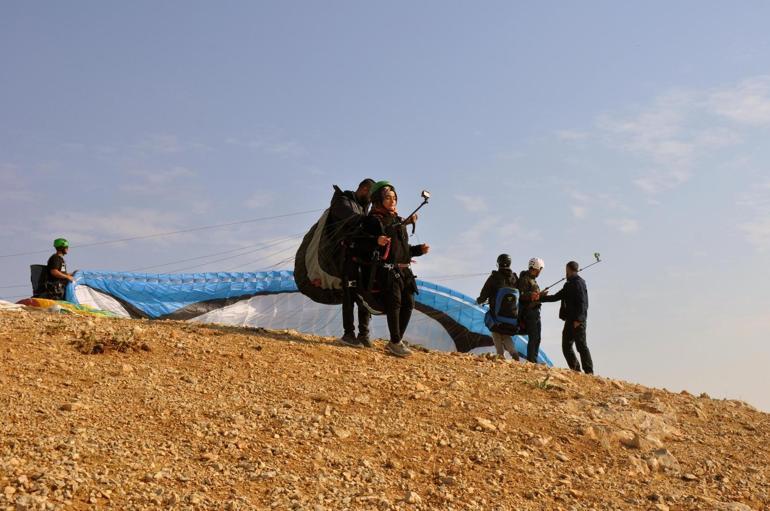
(502, 318)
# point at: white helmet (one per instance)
(536, 263)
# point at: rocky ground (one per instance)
(120, 414)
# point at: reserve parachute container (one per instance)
(317, 265)
(443, 320)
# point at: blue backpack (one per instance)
(505, 316)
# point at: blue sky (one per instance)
(552, 130)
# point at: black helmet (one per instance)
(503, 261)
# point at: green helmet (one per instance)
(60, 243)
(378, 185)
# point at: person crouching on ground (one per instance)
(387, 235)
(501, 278)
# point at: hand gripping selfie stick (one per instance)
(425, 198)
(598, 260)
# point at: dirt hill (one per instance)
(120, 414)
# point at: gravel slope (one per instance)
(121, 414)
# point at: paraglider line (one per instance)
(170, 233)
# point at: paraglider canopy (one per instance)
(444, 319)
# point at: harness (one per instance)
(389, 266)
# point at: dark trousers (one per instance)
(348, 303)
(54, 290)
(533, 328)
(399, 303)
(577, 336)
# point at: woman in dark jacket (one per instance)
(387, 243)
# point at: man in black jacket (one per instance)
(574, 313)
(346, 212)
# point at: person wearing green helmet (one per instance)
(376, 187)
(389, 263)
(55, 275)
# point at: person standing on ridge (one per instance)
(530, 306)
(55, 276)
(574, 312)
(387, 238)
(346, 212)
(501, 278)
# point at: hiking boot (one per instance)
(364, 341)
(515, 356)
(398, 349)
(350, 340)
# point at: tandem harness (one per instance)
(369, 294)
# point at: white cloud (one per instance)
(162, 144)
(168, 144)
(677, 130)
(758, 233)
(757, 230)
(315, 171)
(624, 225)
(583, 202)
(288, 148)
(13, 187)
(158, 181)
(259, 200)
(439, 263)
(580, 196)
(658, 134)
(81, 227)
(757, 198)
(472, 203)
(492, 228)
(272, 144)
(657, 181)
(653, 202)
(571, 135)
(579, 212)
(473, 244)
(747, 103)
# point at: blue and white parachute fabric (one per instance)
(443, 319)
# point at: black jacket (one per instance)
(374, 258)
(345, 208)
(574, 300)
(497, 280)
(54, 288)
(343, 224)
(399, 251)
